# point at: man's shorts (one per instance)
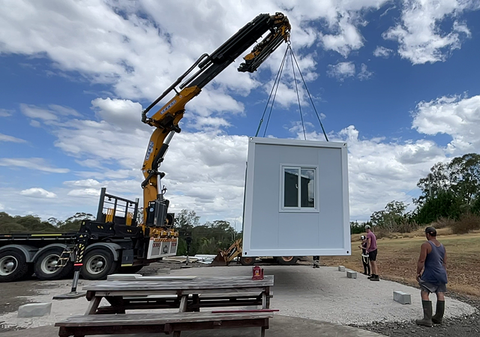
(432, 287)
(373, 255)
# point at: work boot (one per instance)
(375, 278)
(427, 314)
(438, 317)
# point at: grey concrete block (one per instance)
(341, 268)
(34, 309)
(401, 297)
(351, 274)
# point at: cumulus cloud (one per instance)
(422, 35)
(456, 116)
(84, 192)
(382, 52)
(381, 171)
(37, 192)
(364, 73)
(341, 70)
(123, 114)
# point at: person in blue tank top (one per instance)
(432, 277)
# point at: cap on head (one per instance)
(368, 227)
(362, 237)
(430, 230)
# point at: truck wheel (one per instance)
(45, 265)
(287, 259)
(130, 269)
(98, 264)
(13, 265)
(247, 261)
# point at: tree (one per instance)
(444, 204)
(393, 217)
(465, 177)
(435, 182)
(454, 185)
(185, 222)
(73, 223)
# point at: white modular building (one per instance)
(296, 198)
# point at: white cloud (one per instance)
(84, 192)
(6, 138)
(456, 116)
(36, 192)
(348, 37)
(421, 35)
(364, 74)
(38, 113)
(124, 114)
(382, 52)
(32, 164)
(341, 70)
(5, 113)
(83, 183)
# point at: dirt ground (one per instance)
(397, 260)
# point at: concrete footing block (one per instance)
(341, 268)
(351, 274)
(34, 309)
(401, 297)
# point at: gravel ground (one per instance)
(323, 294)
(464, 326)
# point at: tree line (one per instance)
(205, 238)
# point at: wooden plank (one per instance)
(194, 284)
(66, 331)
(157, 318)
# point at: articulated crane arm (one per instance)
(166, 119)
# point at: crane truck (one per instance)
(114, 241)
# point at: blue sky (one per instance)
(397, 80)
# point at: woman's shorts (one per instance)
(432, 287)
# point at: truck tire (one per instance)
(286, 259)
(247, 260)
(45, 265)
(13, 265)
(98, 264)
(130, 269)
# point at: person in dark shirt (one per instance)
(432, 277)
(365, 259)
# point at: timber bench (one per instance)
(167, 323)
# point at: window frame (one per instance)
(298, 208)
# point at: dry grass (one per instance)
(397, 259)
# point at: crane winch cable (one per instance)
(273, 93)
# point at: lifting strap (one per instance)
(273, 94)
